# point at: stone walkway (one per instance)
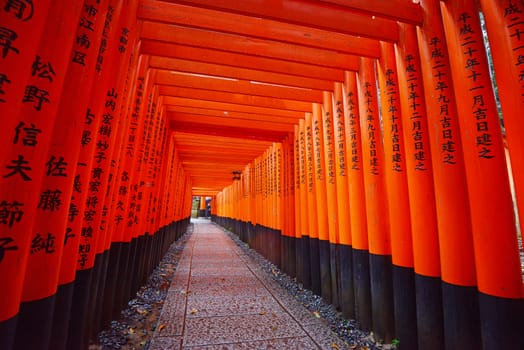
(221, 299)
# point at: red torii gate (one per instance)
(366, 135)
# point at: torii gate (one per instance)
(356, 144)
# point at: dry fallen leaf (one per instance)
(317, 314)
(334, 346)
(141, 311)
(131, 331)
(162, 326)
(262, 313)
(193, 311)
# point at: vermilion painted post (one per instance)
(312, 205)
(129, 177)
(45, 249)
(500, 287)
(504, 28)
(345, 250)
(321, 202)
(110, 222)
(404, 296)
(120, 188)
(376, 203)
(73, 102)
(90, 175)
(452, 202)
(288, 206)
(331, 193)
(202, 205)
(279, 212)
(420, 187)
(304, 205)
(299, 203)
(21, 29)
(357, 200)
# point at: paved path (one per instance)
(221, 299)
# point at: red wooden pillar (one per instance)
(21, 26)
(109, 222)
(30, 104)
(298, 203)
(123, 34)
(279, 174)
(452, 202)
(19, 46)
(312, 214)
(421, 190)
(97, 144)
(124, 219)
(331, 194)
(504, 24)
(357, 200)
(304, 206)
(288, 207)
(404, 296)
(68, 130)
(319, 170)
(344, 252)
(376, 203)
(143, 189)
(501, 289)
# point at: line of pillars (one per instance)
(86, 161)
(392, 198)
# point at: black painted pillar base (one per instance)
(461, 317)
(7, 333)
(291, 256)
(404, 299)
(502, 322)
(299, 256)
(306, 262)
(124, 293)
(325, 271)
(111, 285)
(277, 248)
(315, 265)
(382, 297)
(430, 324)
(362, 288)
(96, 318)
(347, 290)
(34, 324)
(334, 267)
(63, 304)
(76, 338)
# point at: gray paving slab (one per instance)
(221, 299)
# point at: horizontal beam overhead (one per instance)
(205, 82)
(312, 14)
(229, 59)
(235, 76)
(233, 132)
(184, 15)
(239, 99)
(231, 122)
(242, 73)
(232, 114)
(246, 45)
(228, 107)
(397, 10)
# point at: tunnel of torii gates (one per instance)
(356, 144)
